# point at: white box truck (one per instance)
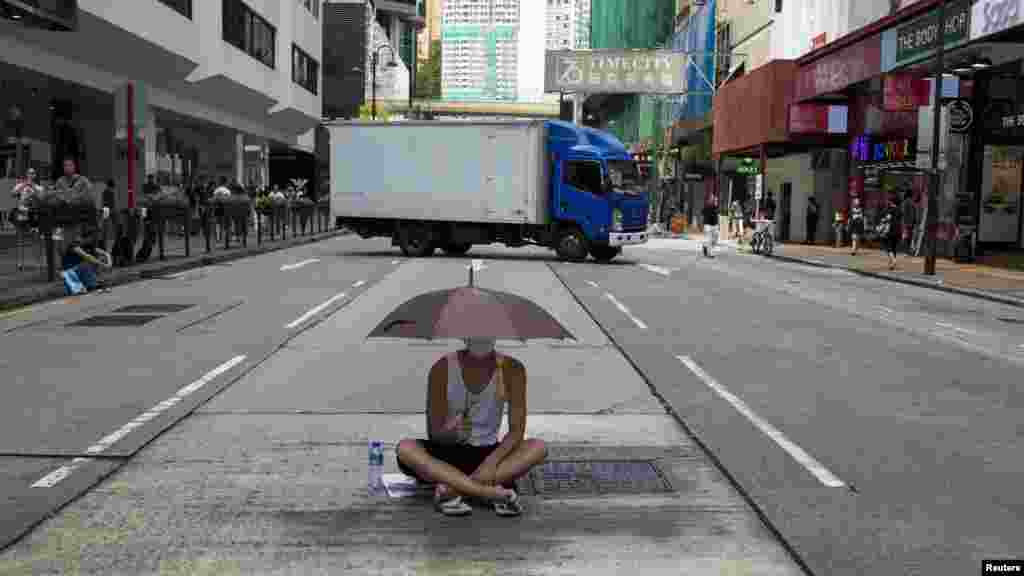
(450, 185)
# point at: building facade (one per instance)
(583, 8)
(560, 33)
(216, 87)
(431, 31)
(480, 49)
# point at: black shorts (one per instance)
(462, 456)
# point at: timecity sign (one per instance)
(866, 151)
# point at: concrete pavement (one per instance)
(803, 376)
(79, 400)
(269, 475)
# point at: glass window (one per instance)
(249, 32)
(305, 70)
(183, 7)
(584, 176)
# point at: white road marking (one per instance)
(593, 284)
(884, 309)
(298, 265)
(943, 325)
(622, 308)
(315, 310)
(58, 475)
(395, 262)
(358, 284)
(819, 471)
(657, 269)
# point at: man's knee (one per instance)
(405, 449)
(538, 448)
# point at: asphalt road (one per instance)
(230, 436)
(875, 426)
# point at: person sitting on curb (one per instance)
(84, 258)
(467, 393)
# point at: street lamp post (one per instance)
(932, 216)
(373, 74)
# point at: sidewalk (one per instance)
(999, 284)
(30, 285)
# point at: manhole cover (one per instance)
(152, 309)
(1012, 320)
(599, 478)
(110, 320)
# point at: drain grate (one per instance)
(153, 308)
(595, 478)
(112, 320)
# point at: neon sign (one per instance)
(865, 150)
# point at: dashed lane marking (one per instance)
(657, 269)
(593, 284)
(62, 473)
(818, 470)
(315, 310)
(358, 284)
(622, 308)
(298, 265)
(393, 262)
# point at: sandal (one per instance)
(509, 507)
(453, 506)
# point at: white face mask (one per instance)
(479, 348)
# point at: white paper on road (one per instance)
(402, 486)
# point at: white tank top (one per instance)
(482, 412)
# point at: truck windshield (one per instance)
(625, 177)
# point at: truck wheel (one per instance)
(572, 246)
(415, 243)
(605, 254)
(457, 249)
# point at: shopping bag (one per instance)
(72, 284)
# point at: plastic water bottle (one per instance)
(376, 468)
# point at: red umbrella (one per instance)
(470, 312)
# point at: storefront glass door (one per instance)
(1002, 176)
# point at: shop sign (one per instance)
(916, 40)
(1013, 121)
(819, 41)
(993, 16)
(961, 116)
(749, 166)
(818, 119)
(866, 151)
(906, 92)
(836, 71)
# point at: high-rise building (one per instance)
(582, 24)
(568, 24)
(480, 49)
(561, 21)
(432, 31)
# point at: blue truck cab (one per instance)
(596, 193)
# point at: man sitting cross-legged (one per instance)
(465, 405)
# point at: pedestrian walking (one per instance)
(856, 224)
(909, 221)
(839, 222)
(736, 215)
(710, 226)
(812, 219)
(891, 229)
